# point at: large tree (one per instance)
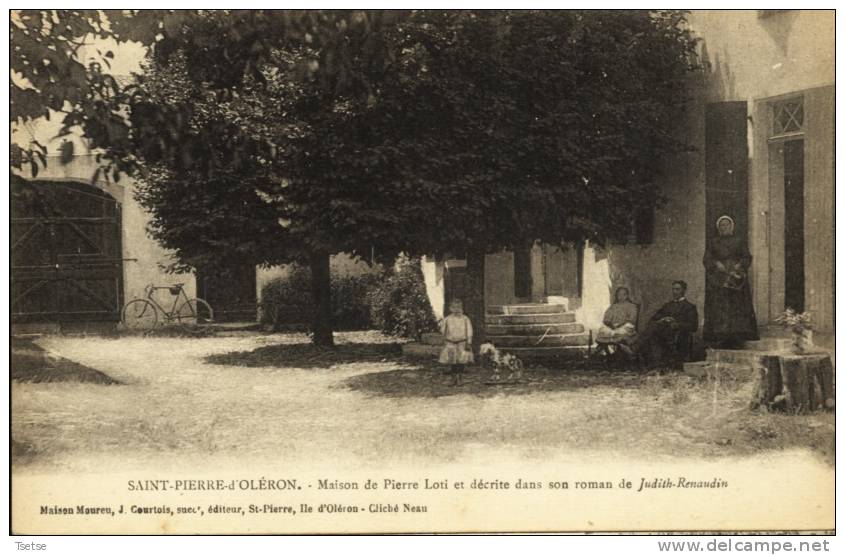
(422, 131)
(508, 127)
(280, 139)
(204, 143)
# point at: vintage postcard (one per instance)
(380, 271)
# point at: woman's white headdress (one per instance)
(725, 217)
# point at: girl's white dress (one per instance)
(457, 332)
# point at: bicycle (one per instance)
(142, 314)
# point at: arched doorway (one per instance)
(65, 253)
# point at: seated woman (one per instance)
(620, 321)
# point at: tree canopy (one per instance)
(525, 124)
(424, 131)
(533, 125)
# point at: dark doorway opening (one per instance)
(522, 273)
(793, 229)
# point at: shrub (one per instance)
(399, 304)
(287, 301)
(350, 301)
(394, 302)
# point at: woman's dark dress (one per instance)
(728, 313)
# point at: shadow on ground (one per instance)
(429, 380)
(305, 355)
(31, 363)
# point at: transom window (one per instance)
(788, 117)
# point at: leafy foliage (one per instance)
(224, 47)
(795, 321)
(287, 300)
(400, 305)
(525, 124)
(205, 217)
(530, 125)
(351, 300)
(416, 132)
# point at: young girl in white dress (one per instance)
(457, 333)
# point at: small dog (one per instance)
(501, 362)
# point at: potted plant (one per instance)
(799, 324)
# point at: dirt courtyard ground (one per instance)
(274, 396)
(253, 405)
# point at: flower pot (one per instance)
(802, 341)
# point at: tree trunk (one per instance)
(321, 291)
(794, 383)
(474, 296)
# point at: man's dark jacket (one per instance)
(683, 311)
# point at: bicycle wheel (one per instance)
(139, 314)
(193, 313)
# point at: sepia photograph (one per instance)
(422, 271)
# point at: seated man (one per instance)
(670, 328)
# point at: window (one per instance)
(788, 117)
(644, 226)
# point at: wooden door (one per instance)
(726, 165)
(793, 229)
(65, 253)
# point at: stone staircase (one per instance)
(532, 330)
(526, 330)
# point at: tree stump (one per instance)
(793, 383)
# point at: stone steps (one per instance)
(530, 340)
(534, 308)
(527, 330)
(549, 340)
(422, 350)
(534, 329)
(529, 319)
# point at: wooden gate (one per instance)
(65, 253)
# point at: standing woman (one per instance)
(728, 312)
